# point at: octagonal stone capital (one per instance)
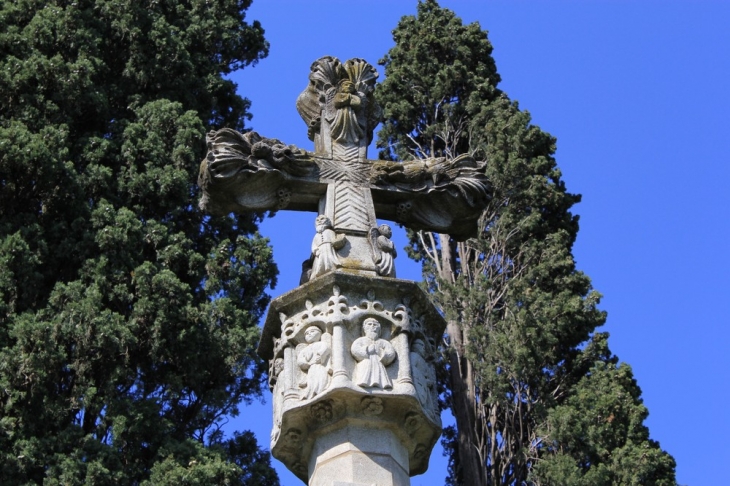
(352, 352)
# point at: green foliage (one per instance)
(128, 319)
(523, 354)
(596, 436)
(191, 464)
(434, 87)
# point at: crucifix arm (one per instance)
(442, 195)
(248, 172)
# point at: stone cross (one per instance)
(245, 172)
(351, 350)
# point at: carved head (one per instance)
(346, 86)
(385, 230)
(371, 328)
(313, 334)
(294, 436)
(322, 222)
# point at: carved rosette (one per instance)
(392, 324)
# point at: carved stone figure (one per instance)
(306, 275)
(424, 377)
(345, 126)
(278, 367)
(313, 358)
(383, 250)
(373, 354)
(324, 247)
(342, 94)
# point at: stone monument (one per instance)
(351, 349)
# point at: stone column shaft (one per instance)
(359, 456)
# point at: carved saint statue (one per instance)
(344, 118)
(313, 358)
(373, 354)
(383, 250)
(324, 247)
(424, 377)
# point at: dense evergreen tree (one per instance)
(128, 319)
(537, 396)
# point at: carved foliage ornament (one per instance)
(245, 171)
(231, 152)
(462, 177)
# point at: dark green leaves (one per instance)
(128, 319)
(437, 78)
(537, 397)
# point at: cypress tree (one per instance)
(128, 319)
(537, 396)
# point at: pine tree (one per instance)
(128, 319)
(522, 348)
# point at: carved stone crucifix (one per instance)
(352, 385)
(247, 172)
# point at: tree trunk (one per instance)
(463, 397)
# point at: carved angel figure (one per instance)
(313, 358)
(383, 250)
(324, 247)
(373, 354)
(424, 377)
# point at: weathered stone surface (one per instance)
(351, 350)
(399, 397)
(433, 195)
(364, 455)
(339, 108)
(245, 172)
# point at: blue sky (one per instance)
(637, 95)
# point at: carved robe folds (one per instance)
(313, 358)
(373, 355)
(324, 247)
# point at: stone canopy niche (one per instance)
(351, 350)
